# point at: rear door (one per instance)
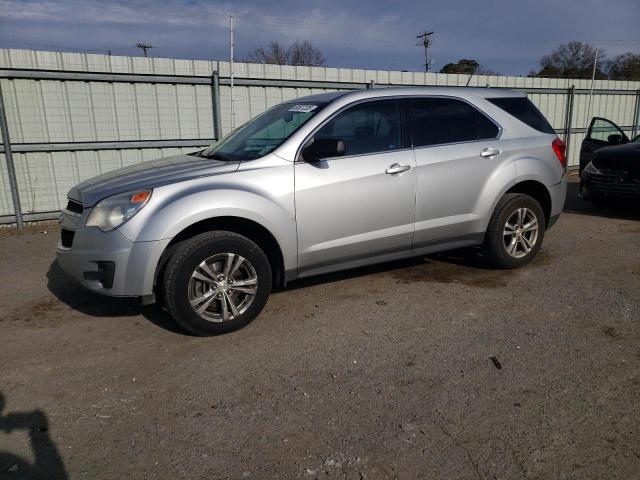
(457, 149)
(601, 133)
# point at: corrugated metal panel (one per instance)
(42, 111)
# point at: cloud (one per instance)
(506, 36)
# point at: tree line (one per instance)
(570, 60)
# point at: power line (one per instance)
(426, 43)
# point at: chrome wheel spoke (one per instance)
(511, 248)
(532, 225)
(201, 303)
(225, 310)
(247, 290)
(245, 283)
(234, 308)
(204, 266)
(203, 278)
(228, 264)
(236, 265)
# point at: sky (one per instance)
(509, 37)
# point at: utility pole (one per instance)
(426, 43)
(145, 47)
(233, 119)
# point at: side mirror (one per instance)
(615, 139)
(320, 148)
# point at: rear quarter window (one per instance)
(525, 111)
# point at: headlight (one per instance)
(112, 212)
(591, 168)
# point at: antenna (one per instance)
(145, 47)
(426, 43)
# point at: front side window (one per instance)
(264, 133)
(437, 121)
(601, 130)
(369, 127)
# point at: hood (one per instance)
(619, 157)
(154, 173)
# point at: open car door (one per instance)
(601, 133)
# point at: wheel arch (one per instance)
(251, 229)
(536, 190)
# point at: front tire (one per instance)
(515, 231)
(216, 282)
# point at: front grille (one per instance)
(66, 237)
(73, 206)
(615, 183)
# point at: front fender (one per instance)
(266, 201)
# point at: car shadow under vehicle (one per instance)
(70, 292)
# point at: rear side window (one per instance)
(436, 121)
(525, 111)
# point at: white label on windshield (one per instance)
(303, 108)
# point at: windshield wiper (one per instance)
(216, 156)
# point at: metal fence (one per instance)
(71, 116)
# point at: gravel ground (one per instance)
(429, 368)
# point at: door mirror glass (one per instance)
(319, 148)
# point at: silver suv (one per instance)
(318, 184)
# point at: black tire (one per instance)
(185, 260)
(494, 246)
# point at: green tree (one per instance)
(468, 67)
(462, 66)
(572, 60)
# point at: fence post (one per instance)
(4, 128)
(568, 120)
(215, 100)
(636, 115)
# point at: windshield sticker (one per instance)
(303, 108)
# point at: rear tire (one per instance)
(515, 231)
(216, 282)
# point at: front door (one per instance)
(601, 133)
(359, 206)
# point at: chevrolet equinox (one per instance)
(313, 185)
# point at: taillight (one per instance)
(560, 148)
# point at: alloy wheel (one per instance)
(222, 287)
(520, 232)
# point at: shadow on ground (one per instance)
(71, 293)
(611, 208)
(47, 463)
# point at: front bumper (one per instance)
(107, 262)
(604, 184)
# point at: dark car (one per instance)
(609, 163)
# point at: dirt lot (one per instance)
(381, 372)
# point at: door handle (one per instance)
(489, 152)
(397, 168)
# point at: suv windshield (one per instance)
(264, 133)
